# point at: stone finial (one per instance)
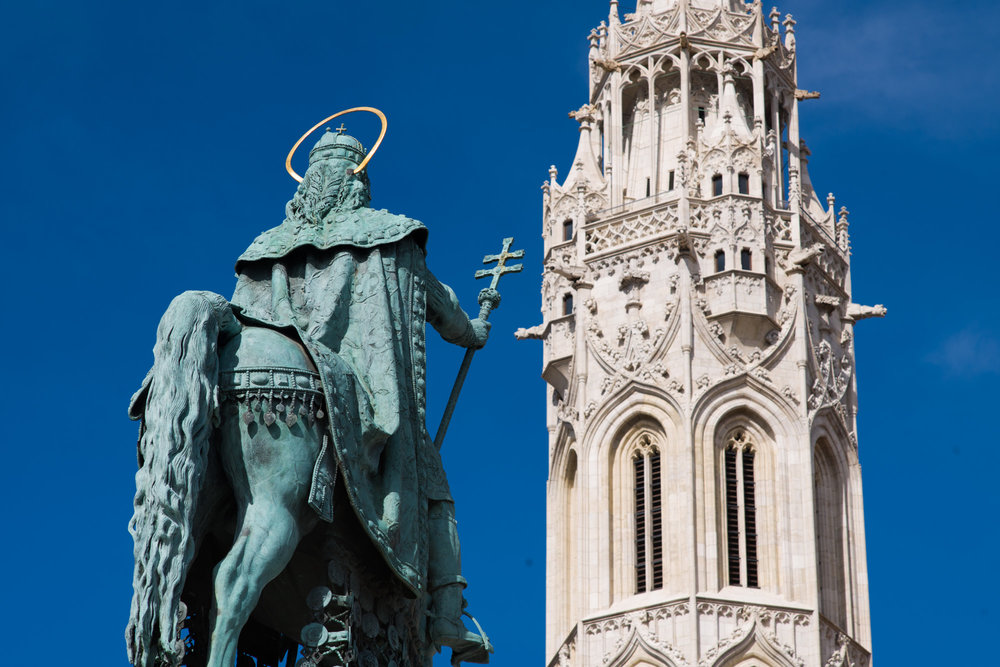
(553, 173)
(775, 17)
(843, 235)
(789, 24)
(830, 201)
(613, 17)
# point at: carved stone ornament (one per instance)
(631, 351)
(757, 626)
(619, 639)
(833, 378)
(734, 361)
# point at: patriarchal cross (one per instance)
(501, 268)
(489, 299)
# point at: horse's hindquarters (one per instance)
(259, 346)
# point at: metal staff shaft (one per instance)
(463, 370)
(489, 299)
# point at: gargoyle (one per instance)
(802, 256)
(764, 52)
(608, 64)
(856, 311)
(536, 332)
(569, 272)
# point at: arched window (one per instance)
(745, 257)
(741, 510)
(648, 516)
(744, 183)
(567, 304)
(571, 559)
(829, 510)
(717, 185)
(568, 229)
(720, 260)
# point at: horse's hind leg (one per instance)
(270, 468)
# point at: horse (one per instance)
(232, 429)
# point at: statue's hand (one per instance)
(479, 332)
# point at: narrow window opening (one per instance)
(647, 187)
(750, 518)
(568, 230)
(767, 265)
(568, 304)
(720, 260)
(717, 185)
(701, 114)
(732, 519)
(670, 180)
(744, 183)
(656, 520)
(640, 523)
(745, 257)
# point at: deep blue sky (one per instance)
(142, 152)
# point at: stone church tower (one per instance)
(704, 493)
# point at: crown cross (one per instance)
(341, 129)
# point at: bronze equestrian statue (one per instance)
(283, 433)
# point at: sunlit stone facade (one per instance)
(704, 494)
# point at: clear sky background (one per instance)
(142, 152)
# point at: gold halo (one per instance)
(378, 142)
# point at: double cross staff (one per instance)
(489, 299)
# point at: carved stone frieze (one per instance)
(720, 25)
(631, 228)
(754, 625)
(652, 253)
(645, 30)
(617, 638)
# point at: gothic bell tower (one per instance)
(704, 493)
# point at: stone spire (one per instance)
(704, 491)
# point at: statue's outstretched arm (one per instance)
(446, 315)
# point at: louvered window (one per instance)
(648, 516)
(741, 511)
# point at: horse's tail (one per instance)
(179, 396)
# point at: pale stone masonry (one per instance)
(704, 494)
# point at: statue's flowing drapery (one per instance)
(359, 296)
